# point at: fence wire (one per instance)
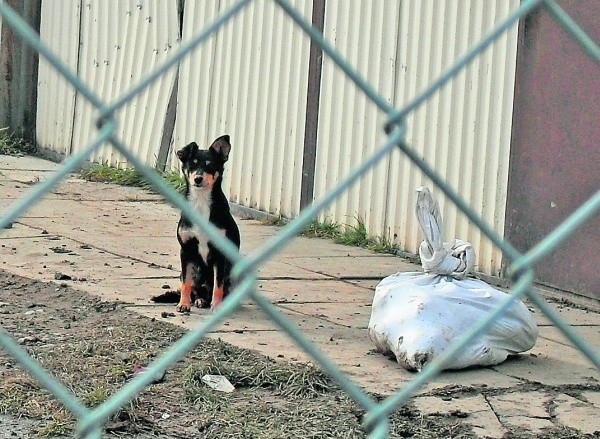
(376, 422)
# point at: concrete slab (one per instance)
(479, 413)
(351, 266)
(592, 397)
(550, 363)
(21, 231)
(367, 284)
(275, 269)
(479, 377)
(31, 164)
(574, 316)
(301, 247)
(577, 414)
(589, 334)
(533, 425)
(486, 425)
(26, 177)
(318, 291)
(355, 315)
(526, 404)
(81, 190)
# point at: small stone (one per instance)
(28, 339)
(45, 232)
(61, 276)
(124, 356)
(165, 287)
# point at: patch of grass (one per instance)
(94, 396)
(274, 221)
(355, 235)
(129, 177)
(61, 424)
(174, 180)
(11, 144)
(304, 381)
(326, 229)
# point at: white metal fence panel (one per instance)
(59, 29)
(350, 125)
(120, 42)
(249, 81)
(463, 131)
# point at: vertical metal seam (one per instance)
(313, 92)
(77, 97)
(395, 97)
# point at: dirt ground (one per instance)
(94, 345)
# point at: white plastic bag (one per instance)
(416, 316)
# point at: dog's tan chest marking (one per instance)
(200, 199)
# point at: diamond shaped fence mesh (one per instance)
(376, 422)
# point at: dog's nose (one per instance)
(198, 179)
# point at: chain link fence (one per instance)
(376, 422)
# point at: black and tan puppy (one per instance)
(204, 270)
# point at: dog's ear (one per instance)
(186, 152)
(222, 147)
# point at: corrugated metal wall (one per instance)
(350, 125)
(112, 45)
(463, 131)
(120, 42)
(56, 97)
(249, 81)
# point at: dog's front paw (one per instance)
(215, 304)
(202, 303)
(184, 307)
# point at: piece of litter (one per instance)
(138, 369)
(165, 416)
(218, 382)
